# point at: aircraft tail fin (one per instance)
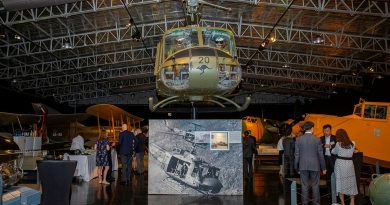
(38, 108)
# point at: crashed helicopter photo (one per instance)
(181, 166)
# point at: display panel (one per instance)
(195, 157)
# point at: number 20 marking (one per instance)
(204, 59)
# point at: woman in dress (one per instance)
(344, 169)
(102, 147)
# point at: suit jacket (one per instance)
(127, 142)
(309, 154)
(332, 139)
(249, 146)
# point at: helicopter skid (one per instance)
(215, 99)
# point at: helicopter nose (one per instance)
(212, 184)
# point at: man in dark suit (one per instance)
(127, 146)
(249, 149)
(328, 143)
(309, 161)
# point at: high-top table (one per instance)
(56, 178)
(86, 166)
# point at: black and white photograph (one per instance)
(181, 161)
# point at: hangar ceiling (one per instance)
(83, 52)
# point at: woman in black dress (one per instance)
(102, 147)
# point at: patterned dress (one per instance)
(102, 153)
(345, 171)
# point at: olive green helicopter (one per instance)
(196, 64)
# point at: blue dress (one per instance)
(102, 153)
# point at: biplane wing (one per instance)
(66, 118)
(115, 116)
(112, 112)
(7, 118)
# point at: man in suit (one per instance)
(127, 146)
(328, 143)
(249, 149)
(309, 161)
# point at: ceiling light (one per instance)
(333, 84)
(263, 45)
(318, 40)
(67, 45)
(14, 80)
(285, 66)
(130, 23)
(334, 92)
(17, 37)
(354, 73)
(371, 69)
(99, 69)
(262, 85)
(379, 77)
(272, 39)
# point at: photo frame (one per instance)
(219, 140)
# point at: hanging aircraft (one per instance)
(197, 64)
(368, 126)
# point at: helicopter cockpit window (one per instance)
(369, 111)
(375, 111)
(381, 112)
(180, 39)
(219, 39)
(176, 76)
(358, 111)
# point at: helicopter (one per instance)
(186, 168)
(197, 64)
(187, 135)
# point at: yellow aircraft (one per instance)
(115, 117)
(368, 126)
(265, 131)
(254, 125)
(197, 64)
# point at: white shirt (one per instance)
(280, 144)
(327, 141)
(77, 143)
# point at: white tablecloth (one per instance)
(86, 166)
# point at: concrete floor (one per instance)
(267, 188)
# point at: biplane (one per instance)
(115, 117)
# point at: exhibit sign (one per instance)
(195, 157)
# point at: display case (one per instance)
(10, 167)
(10, 161)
